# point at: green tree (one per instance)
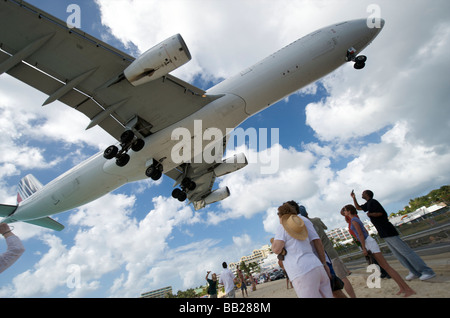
(435, 196)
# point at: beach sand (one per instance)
(437, 287)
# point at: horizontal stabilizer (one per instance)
(48, 223)
(6, 210)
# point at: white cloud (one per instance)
(23, 117)
(253, 192)
(271, 220)
(109, 240)
(404, 80)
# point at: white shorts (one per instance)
(371, 245)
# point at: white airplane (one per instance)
(140, 104)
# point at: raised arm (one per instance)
(355, 202)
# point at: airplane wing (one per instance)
(87, 74)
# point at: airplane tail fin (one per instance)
(27, 186)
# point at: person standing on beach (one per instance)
(309, 275)
(227, 279)
(383, 273)
(212, 288)
(407, 257)
(338, 266)
(369, 244)
(242, 280)
(280, 263)
(14, 250)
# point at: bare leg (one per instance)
(404, 287)
(349, 288)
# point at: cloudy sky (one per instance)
(384, 128)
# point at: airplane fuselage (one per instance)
(245, 94)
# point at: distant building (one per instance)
(157, 293)
(419, 214)
(257, 257)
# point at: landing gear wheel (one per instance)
(182, 196)
(126, 137)
(176, 192)
(138, 145)
(122, 160)
(188, 184)
(156, 175)
(192, 185)
(110, 152)
(360, 62)
(361, 59)
(359, 66)
(150, 171)
(153, 172)
(179, 194)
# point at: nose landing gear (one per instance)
(127, 142)
(360, 60)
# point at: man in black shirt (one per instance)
(407, 257)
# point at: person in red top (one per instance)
(383, 273)
(370, 245)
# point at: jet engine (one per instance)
(158, 61)
(231, 164)
(217, 195)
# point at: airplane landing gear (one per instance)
(127, 142)
(360, 60)
(154, 171)
(179, 194)
(186, 185)
(122, 160)
(110, 152)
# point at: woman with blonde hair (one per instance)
(308, 274)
